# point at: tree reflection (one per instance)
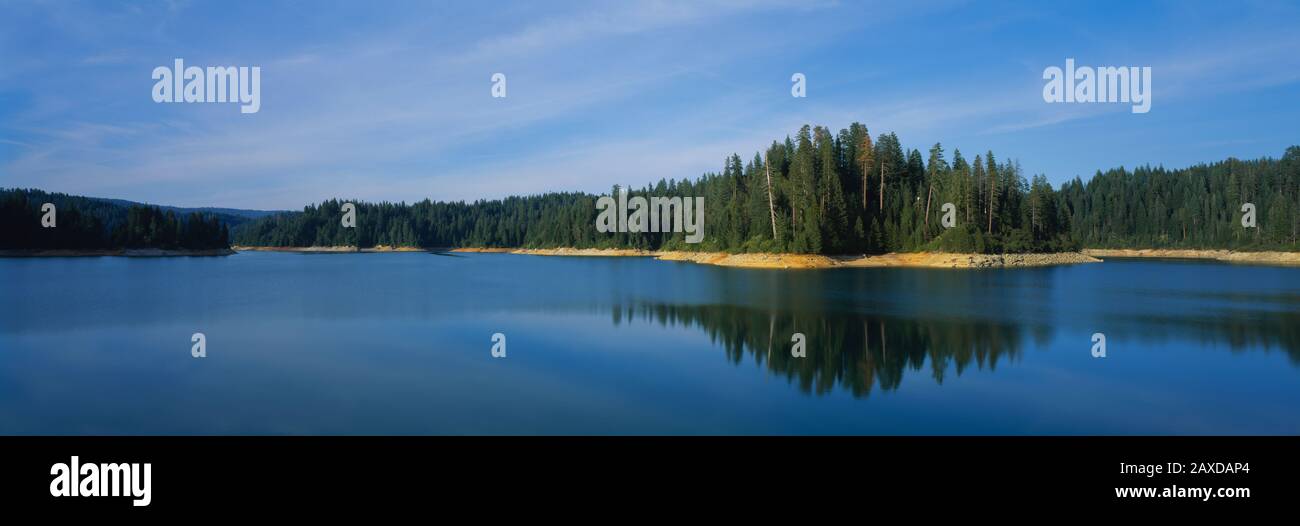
(857, 352)
(860, 352)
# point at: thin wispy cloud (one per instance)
(393, 102)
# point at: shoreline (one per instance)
(750, 260)
(1283, 259)
(815, 261)
(330, 250)
(787, 261)
(115, 252)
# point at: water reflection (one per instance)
(399, 343)
(859, 352)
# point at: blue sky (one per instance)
(391, 100)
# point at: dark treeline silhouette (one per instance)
(856, 352)
(86, 223)
(550, 220)
(859, 352)
(847, 193)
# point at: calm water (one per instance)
(400, 344)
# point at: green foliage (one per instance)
(1196, 207)
(844, 193)
(815, 193)
(86, 223)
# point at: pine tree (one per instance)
(992, 170)
(864, 157)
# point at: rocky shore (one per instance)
(1248, 258)
(800, 261)
(811, 261)
(329, 250)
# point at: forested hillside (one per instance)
(850, 193)
(814, 193)
(1196, 207)
(87, 223)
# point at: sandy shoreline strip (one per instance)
(1229, 256)
(812, 261)
(756, 260)
(329, 250)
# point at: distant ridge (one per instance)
(96, 226)
(230, 217)
(217, 211)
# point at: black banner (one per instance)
(320, 475)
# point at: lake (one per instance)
(402, 343)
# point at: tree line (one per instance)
(1196, 207)
(845, 193)
(816, 192)
(84, 223)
